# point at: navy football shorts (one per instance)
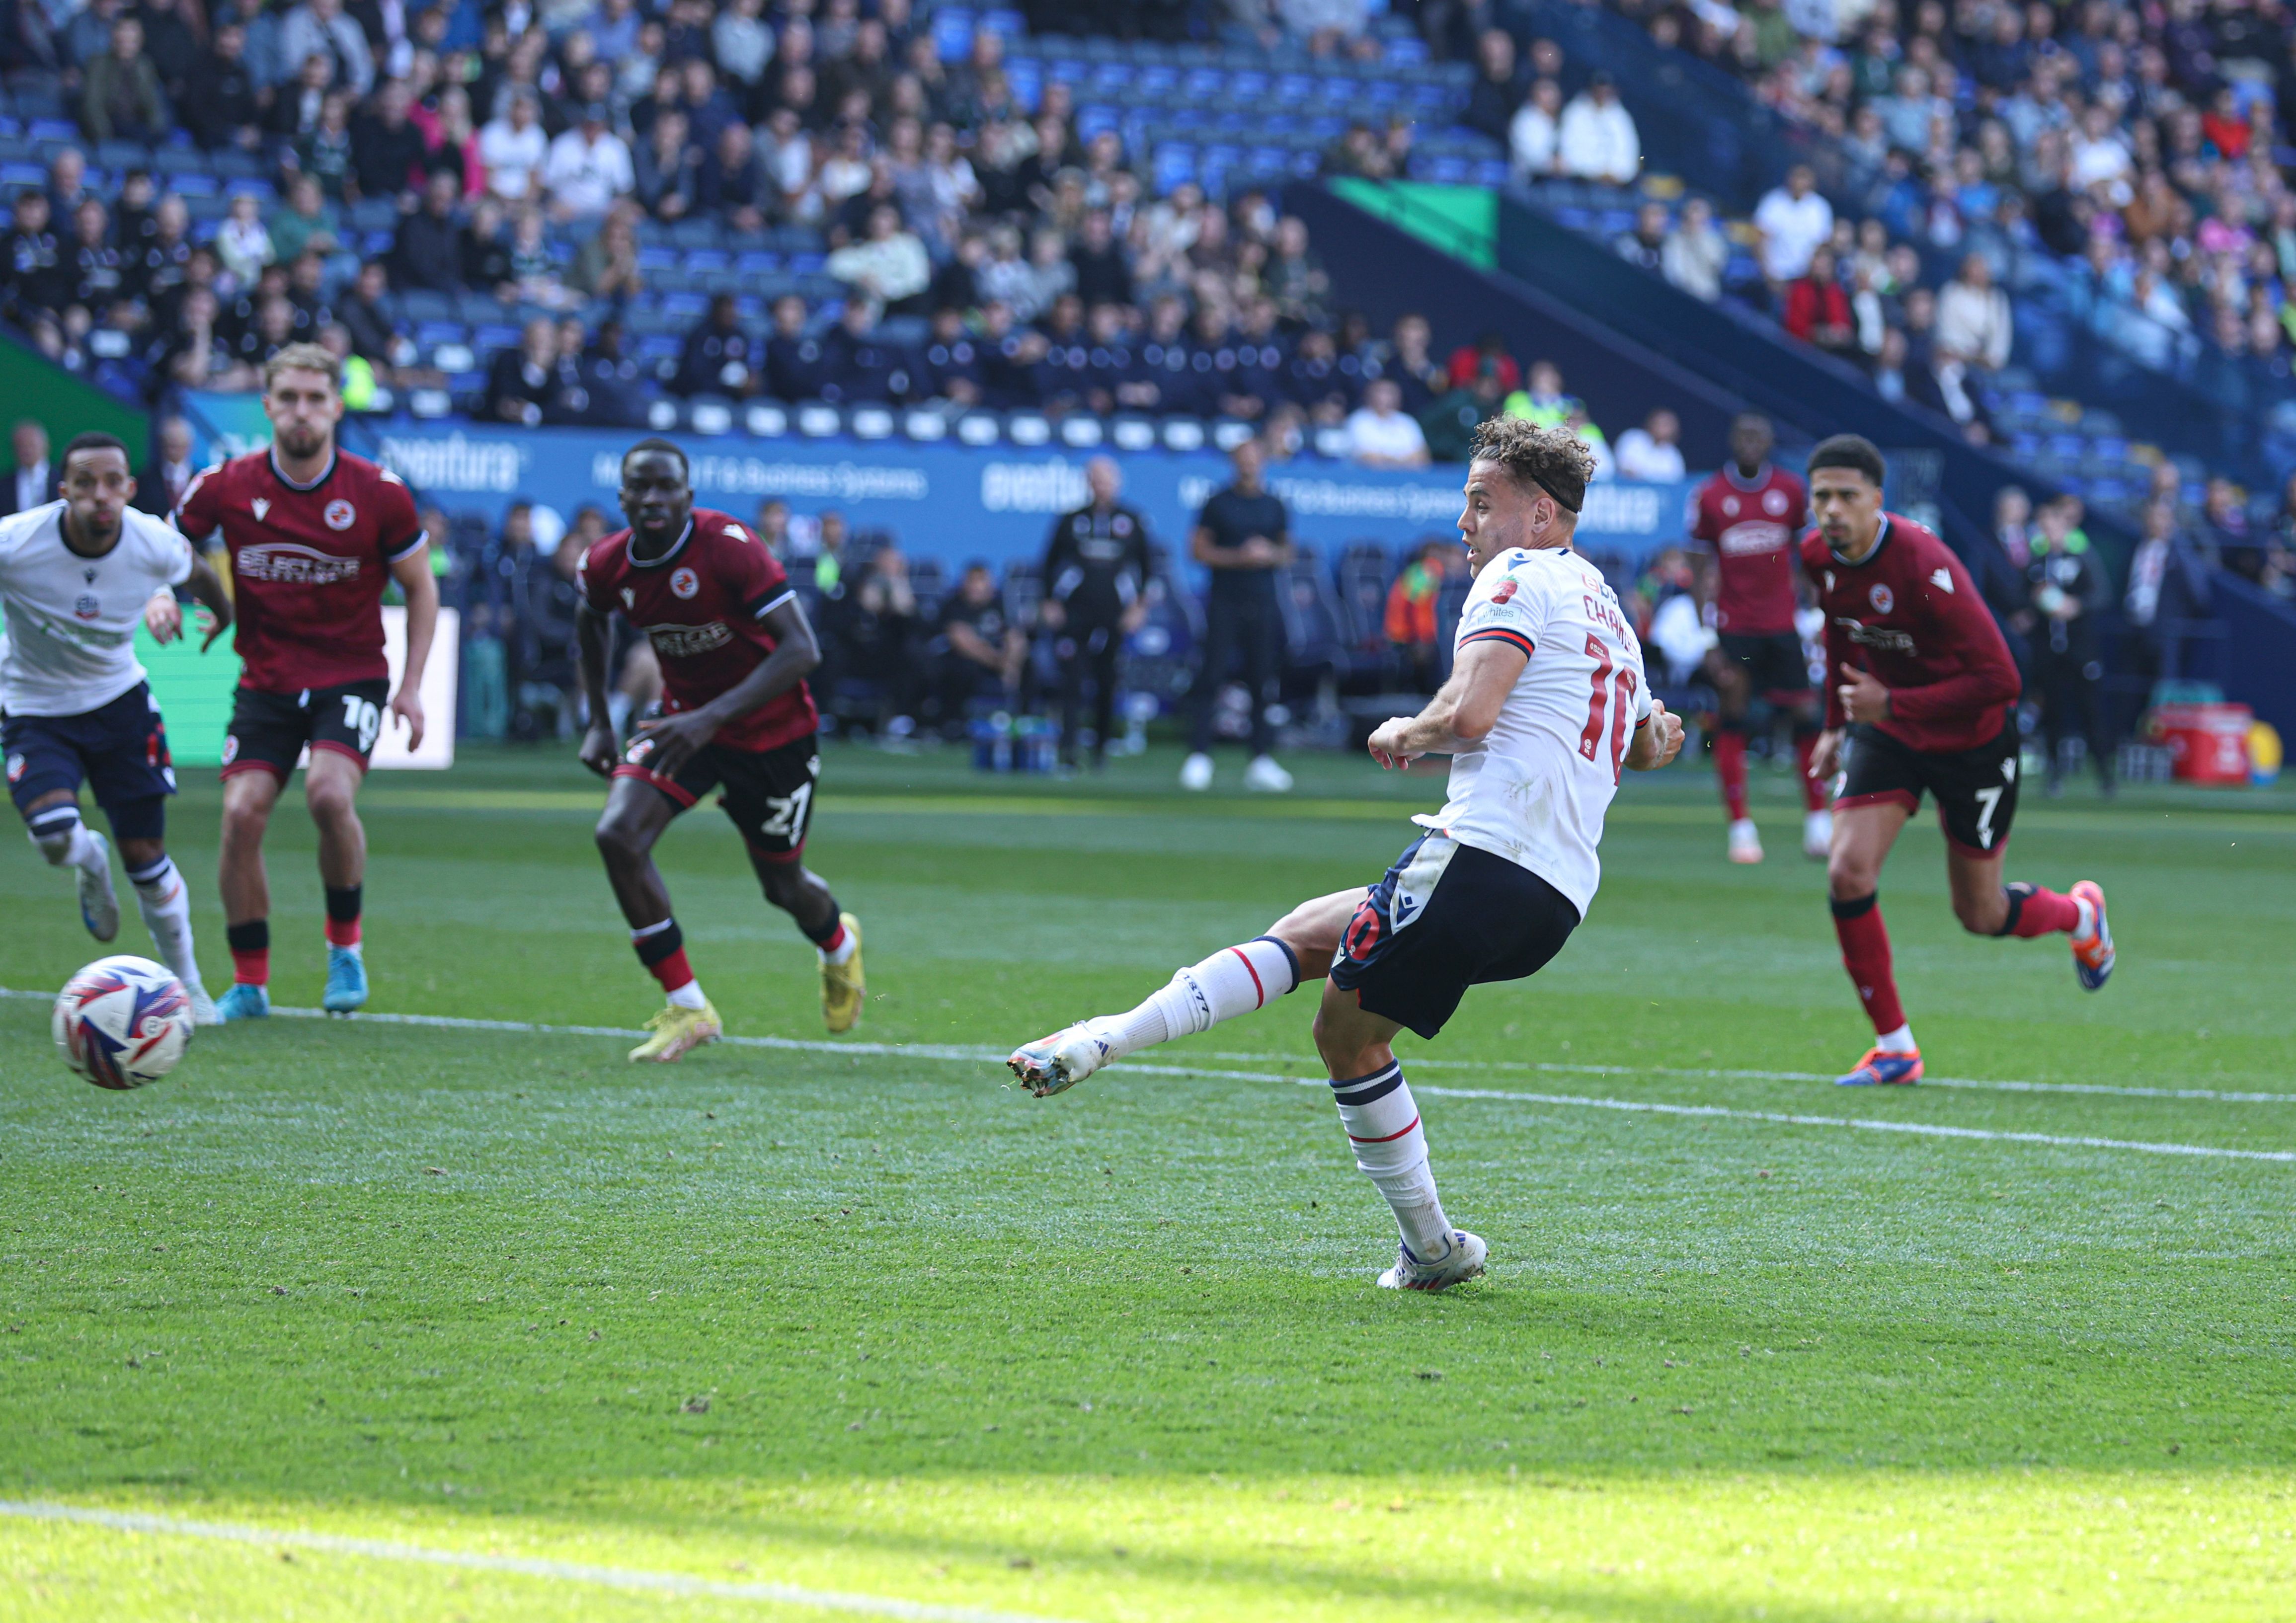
(118, 749)
(1446, 917)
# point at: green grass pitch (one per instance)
(434, 1321)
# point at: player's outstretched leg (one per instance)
(55, 824)
(836, 935)
(1862, 838)
(635, 815)
(162, 897)
(1381, 1122)
(1234, 981)
(331, 786)
(248, 797)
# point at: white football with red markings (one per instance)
(122, 1021)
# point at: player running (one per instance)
(1925, 702)
(76, 576)
(312, 531)
(1748, 514)
(1545, 706)
(735, 714)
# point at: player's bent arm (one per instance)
(1657, 740)
(1463, 710)
(208, 590)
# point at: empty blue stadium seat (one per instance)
(952, 32)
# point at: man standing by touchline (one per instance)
(1244, 537)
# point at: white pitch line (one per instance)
(2119, 1090)
(929, 1051)
(521, 1566)
(989, 1056)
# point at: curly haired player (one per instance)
(1923, 705)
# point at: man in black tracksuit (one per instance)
(2068, 665)
(1095, 595)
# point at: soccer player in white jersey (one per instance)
(1545, 705)
(76, 578)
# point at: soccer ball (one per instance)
(123, 1021)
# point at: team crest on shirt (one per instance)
(683, 582)
(86, 606)
(1729, 507)
(1882, 599)
(339, 514)
(15, 769)
(1774, 503)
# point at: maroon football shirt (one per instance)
(1749, 524)
(1911, 615)
(309, 564)
(702, 605)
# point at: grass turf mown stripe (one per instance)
(963, 1055)
(519, 1566)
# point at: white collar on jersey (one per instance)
(272, 456)
(1881, 536)
(629, 548)
(1762, 477)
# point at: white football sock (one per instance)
(1234, 981)
(689, 996)
(843, 952)
(1900, 1041)
(165, 902)
(63, 838)
(1382, 1120)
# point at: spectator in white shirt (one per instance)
(1650, 453)
(513, 148)
(1379, 434)
(1533, 137)
(1695, 253)
(587, 168)
(2098, 155)
(1793, 221)
(1597, 140)
(1973, 321)
(890, 267)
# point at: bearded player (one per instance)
(1546, 704)
(314, 534)
(1925, 703)
(76, 576)
(735, 716)
(1747, 516)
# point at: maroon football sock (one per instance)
(1865, 955)
(1730, 771)
(2035, 912)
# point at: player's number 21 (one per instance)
(1590, 740)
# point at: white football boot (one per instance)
(1818, 835)
(1054, 1064)
(1197, 772)
(1745, 842)
(203, 1007)
(1265, 776)
(99, 903)
(1463, 1260)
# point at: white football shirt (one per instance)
(70, 646)
(1536, 789)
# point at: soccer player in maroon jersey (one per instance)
(314, 535)
(1925, 704)
(1750, 515)
(735, 714)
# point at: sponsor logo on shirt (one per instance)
(1754, 535)
(260, 507)
(289, 563)
(16, 764)
(339, 514)
(683, 582)
(1941, 578)
(686, 641)
(1877, 636)
(1505, 590)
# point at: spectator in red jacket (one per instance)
(1817, 310)
(1467, 363)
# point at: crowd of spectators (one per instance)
(2142, 145)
